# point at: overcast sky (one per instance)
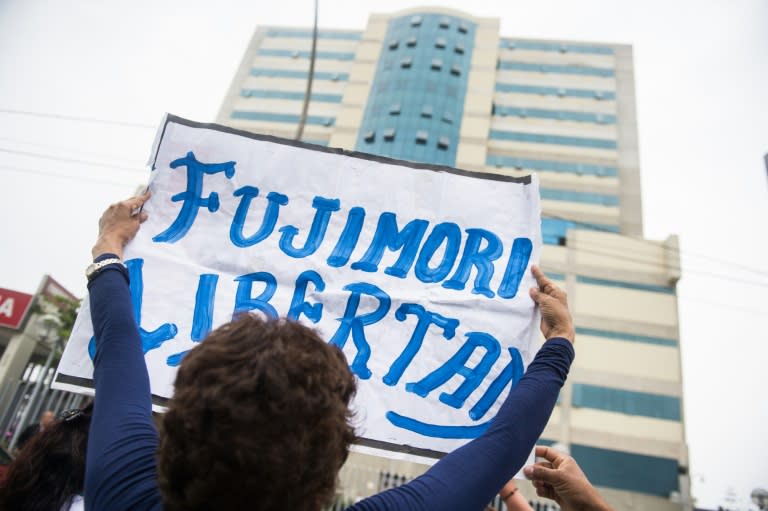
(702, 82)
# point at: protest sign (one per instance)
(420, 274)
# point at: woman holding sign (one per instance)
(260, 417)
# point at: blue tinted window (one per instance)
(289, 73)
(278, 94)
(554, 91)
(555, 68)
(627, 285)
(275, 117)
(598, 143)
(554, 230)
(661, 341)
(321, 34)
(584, 197)
(329, 55)
(628, 402)
(621, 470)
(436, 78)
(551, 165)
(562, 115)
(562, 48)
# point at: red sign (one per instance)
(13, 308)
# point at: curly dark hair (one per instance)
(259, 420)
(50, 469)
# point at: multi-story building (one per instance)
(441, 86)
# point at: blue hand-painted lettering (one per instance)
(482, 259)
(457, 365)
(387, 235)
(192, 197)
(202, 317)
(355, 324)
(313, 312)
(425, 319)
(448, 233)
(437, 431)
(324, 208)
(348, 239)
(518, 262)
(247, 194)
(244, 301)
(512, 372)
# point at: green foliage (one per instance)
(66, 310)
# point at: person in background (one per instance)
(48, 473)
(513, 499)
(260, 415)
(46, 419)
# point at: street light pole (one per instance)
(308, 91)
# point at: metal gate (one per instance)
(28, 398)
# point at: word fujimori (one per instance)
(481, 248)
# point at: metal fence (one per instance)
(28, 398)
(358, 481)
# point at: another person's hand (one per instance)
(119, 224)
(556, 320)
(560, 478)
(513, 499)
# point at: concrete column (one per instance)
(566, 393)
(629, 152)
(16, 356)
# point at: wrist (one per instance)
(566, 333)
(508, 494)
(107, 246)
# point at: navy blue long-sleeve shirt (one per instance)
(121, 467)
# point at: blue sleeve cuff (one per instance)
(106, 255)
(564, 343)
(116, 267)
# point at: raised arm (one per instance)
(120, 465)
(469, 477)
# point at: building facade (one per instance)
(444, 87)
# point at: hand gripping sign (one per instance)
(418, 273)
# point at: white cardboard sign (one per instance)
(419, 273)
